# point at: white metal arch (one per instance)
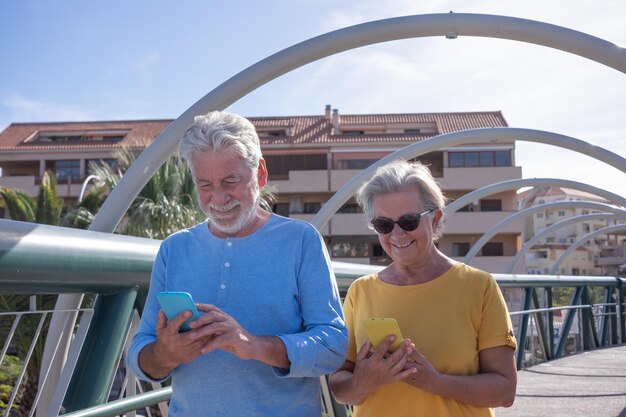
(576, 219)
(525, 212)
(490, 135)
(531, 182)
(459, 24)
(581, 242)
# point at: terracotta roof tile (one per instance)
(316, 130)
(140, 134)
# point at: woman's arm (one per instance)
(493, 386)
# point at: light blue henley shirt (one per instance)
(277, 281)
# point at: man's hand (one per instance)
(219, 330)
(171, 348)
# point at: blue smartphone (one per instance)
(174, 303)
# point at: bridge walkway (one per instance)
(591, 384)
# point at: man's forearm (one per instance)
(272, 351)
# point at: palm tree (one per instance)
(166, 204)
(46, 209)
(81, 215)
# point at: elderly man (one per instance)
(271, 321)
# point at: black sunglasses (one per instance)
(407, 222)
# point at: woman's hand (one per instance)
(354, 382)
(424, 375)
(380, 367)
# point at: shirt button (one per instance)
(227, 264)
(229, 243)
(222, 286)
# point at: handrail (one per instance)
(119, 407)
(87, 268)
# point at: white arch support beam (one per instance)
(545, 232)
(491, 135)
(459, 24)
(581, 241)
(534, 209)
(531, 182)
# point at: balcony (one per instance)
(303, 182)
(26, 183)
(610, 260)
(308, 218)
(496, 264)
(473, 178)
(350, 224)
(338, 177)
(478, 222)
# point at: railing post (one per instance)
(101, 352)
(620, 310)
(541, 328)
(608, 319)
(567, 324)
(548, 291)
(590, 336)
(524, 328)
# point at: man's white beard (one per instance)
(245, 218)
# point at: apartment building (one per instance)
(309, 158)
(601, 255)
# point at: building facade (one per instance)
(309, 158)
(601, 255)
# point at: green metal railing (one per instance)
(34, 259)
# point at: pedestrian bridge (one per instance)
(592, 383)
(85, 377)
(569, 355)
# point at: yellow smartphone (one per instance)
(378, 329)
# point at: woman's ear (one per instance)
(437, 215)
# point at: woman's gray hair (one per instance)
(398, 176)
(220, 131)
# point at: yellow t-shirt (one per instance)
(450, 319)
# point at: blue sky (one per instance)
(75, 60)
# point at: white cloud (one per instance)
(22, 109)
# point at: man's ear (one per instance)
(262, 173)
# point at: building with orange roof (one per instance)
(309, 158)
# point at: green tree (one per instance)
(81, 215)
(45, 209)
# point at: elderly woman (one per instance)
(458, 355)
